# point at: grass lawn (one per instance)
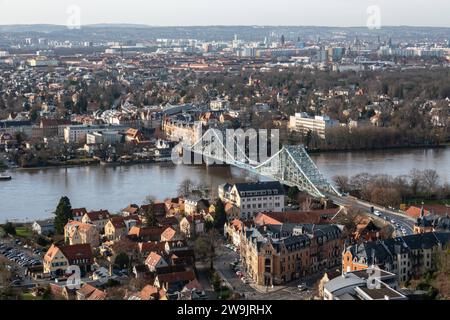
(224, 293)
(29, 296)
(23, 232)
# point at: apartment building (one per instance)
(76, 232)
(182, 127)
(277, 254)
(303, 123)
(78, 133)
(255, 197)
(59, 258)
(408, 257)
(108, 137)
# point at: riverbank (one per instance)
(94, 163)
(424, 147)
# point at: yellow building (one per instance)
(76, 232)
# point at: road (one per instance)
(391, 215)
(251, 291)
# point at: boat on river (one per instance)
(5, 177)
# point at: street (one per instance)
(252, 291)
(399, 218)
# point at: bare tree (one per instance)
(185, 187)
(430, 180)
(342, 182)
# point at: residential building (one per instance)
(78, 133)
(155, 261)
(59, 258)
(233, 231)
(219, 105)
(78, 213)
(277, 254)
(255, 197)
(192, 225)
(303, 123)
(118, 227)
(76, 232)
(44, 227)
(98, 218)
(432, 223)
(195, 205)
(89, 292)
(107, 137)
(176, 129)
(409, 256)
(425, 210)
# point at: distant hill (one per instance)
(136, 32)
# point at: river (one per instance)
(33, 194)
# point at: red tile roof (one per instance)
(315, 217)
(79, 212)
(176, 277)
(149, 292)
(77, 251)
(98, 215)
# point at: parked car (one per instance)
(302, 287)
(245, 280)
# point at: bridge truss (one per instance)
(291, 165)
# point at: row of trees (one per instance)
(387, 190)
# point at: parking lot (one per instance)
(21, 256)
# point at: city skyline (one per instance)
(346, 13)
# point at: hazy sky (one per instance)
(228, 12)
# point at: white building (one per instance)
(219, 104)
(78, 133)
(253, 198)
(104, 137)
(371, 284)
(303, 123)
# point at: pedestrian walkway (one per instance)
(266, 289)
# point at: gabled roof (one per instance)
(45, 223)
(313, 216)
(77, 251)
(168, 233)
(182, 276)
(153, 259)
(149, 292)
(79, 212)
(156, 246)
(383, 251)
(91, 292)
(154, 233)
(194, 285)
(71, 252)
(98, 215)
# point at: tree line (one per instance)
(387, 190)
